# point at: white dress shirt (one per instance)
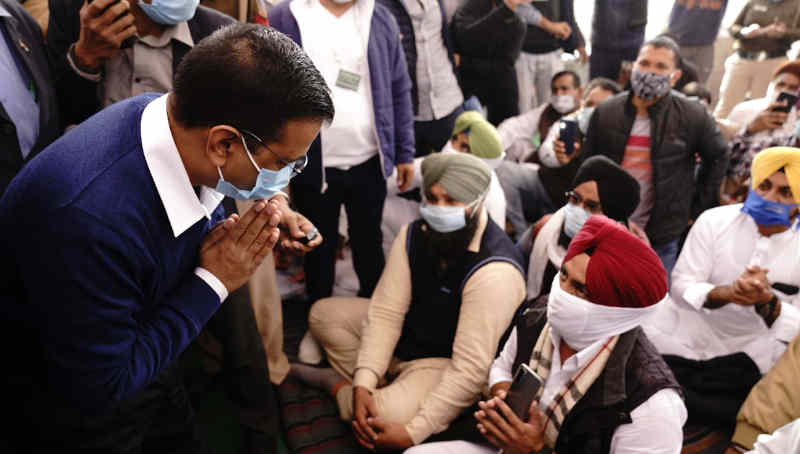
(720, 245)
(782, 441)
(335, 44)
(747, 111)
(517, 133)
(663, 410)
(183, 206)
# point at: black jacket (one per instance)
(539, 41)
(79, 97)
(679, 130)
(487, 35)
(27, 43)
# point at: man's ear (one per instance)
(221, 142)
(676, 76)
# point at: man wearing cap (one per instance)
(600, 187)
(471, 134)
(604, 386)
(449, 290)
(734, 291)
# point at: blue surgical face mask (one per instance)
(444, 219)
(574, 218)
(169, 12)
(268, 182)
(766, 212)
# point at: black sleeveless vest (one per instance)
(634, 372)
(430, 324)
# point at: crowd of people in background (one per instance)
(630, 241)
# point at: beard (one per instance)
(450, 247)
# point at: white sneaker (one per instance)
(310, 351)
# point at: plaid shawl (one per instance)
(573, 391)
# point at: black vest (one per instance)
(634, 372)
(537, 40)
(430, 324)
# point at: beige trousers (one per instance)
(741, 77)
(337, 323)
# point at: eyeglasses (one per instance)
(297, 166)
(576, 199)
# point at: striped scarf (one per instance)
(573, 391)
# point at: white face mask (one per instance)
(570, 316)
(563, 103)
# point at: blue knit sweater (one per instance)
(103, 294)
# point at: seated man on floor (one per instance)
(771, 405)
(734, 291)
(605, 388)
(471, 134)
(533, 191)
(600, 187)
(761, 123)
(408, 361)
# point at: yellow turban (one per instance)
(769, 161)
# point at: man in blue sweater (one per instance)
(118, 255)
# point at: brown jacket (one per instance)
(773, 402)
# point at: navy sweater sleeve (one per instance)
(102, 339)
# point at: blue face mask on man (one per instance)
(169, 12)
(766, 212)
(268, 183)
(446, 219)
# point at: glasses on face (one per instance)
(297, 166)
(576, 199)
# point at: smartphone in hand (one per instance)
(788, 98)
(568, 129)
(128, 41)
(523, 390)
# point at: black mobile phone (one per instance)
(129, 42)
(790, 100)
(567, 131)
(523, 391)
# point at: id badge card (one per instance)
(348, 80)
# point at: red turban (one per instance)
(623, 271)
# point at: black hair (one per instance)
(605, 84)
(250, 77)
(576, 79)
(698, 90)
(664, 41)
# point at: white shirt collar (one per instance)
(180, 201)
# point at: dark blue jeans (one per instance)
(668, 253)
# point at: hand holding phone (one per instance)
(787, 99)
(106, 27)
(523, 390)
